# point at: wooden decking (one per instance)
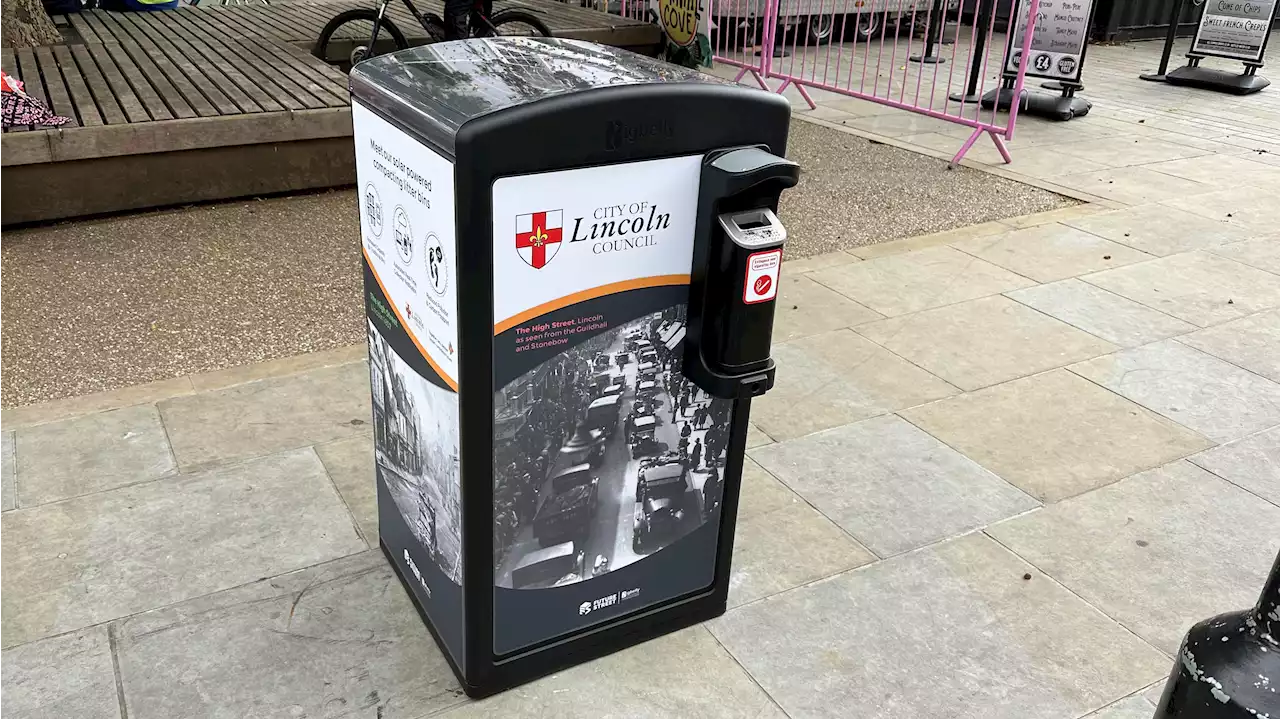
(201, 103)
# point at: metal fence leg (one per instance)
(756, 75)
(977, 132)
(1002, 148)
(805, 94)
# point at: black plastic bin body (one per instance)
(527, 219)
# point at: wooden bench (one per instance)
(200, 103)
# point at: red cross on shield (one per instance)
(538, 237)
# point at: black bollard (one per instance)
(1229, 666)
(932, 35)
(979, 51)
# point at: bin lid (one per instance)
(445, 84)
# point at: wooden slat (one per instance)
(249, 80)
(120, 88)
(112, 114)
(82, 27)
(280, 20)
(280, 69)
(95, 21)
(143, 77)
(256, 81)
(301, 70)
(56, 85)
(266, 76)
(9, 64)
(86, 110)
(206, 64)
(29, 74)
(188, 93)
(210, 90)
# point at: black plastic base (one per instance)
(577, 649)
(1220, 80)
(927, 59)
(1054, 107)
(1059, 87)
(1153, 77)
(1224, 670)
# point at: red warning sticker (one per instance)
(761, 283)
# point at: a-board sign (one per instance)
(1058, 42)
(1235, 29)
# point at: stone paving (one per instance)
(1002, 471)
(1004, 468)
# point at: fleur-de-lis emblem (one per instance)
(539, 237)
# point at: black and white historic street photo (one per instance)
(603, 455)
(415, 425)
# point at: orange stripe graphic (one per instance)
(447, 379)
(594, 292)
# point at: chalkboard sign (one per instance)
(1235, 29)
(1058, 42)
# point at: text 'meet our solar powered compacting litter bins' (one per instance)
(571, 261)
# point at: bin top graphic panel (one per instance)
(441, 86)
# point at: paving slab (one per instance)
(835, 378)
(349, 463)
(1194, 389)
(784, 548)
(1263, 254)
(1252, 342)
(802, 265)
(756, 437)
(952, 625)
(684, 674)
(1134, 185)
(1050, 252)
(1252, 463)
(1135, 707)
(914, 281)
(761, 492)
(90, 559)
(341, 639)
(891, 485)
(1222, 170)
(1158, 551)
(1253, 208)
(270, 415)
(1127, 150)
(61, 677)
(1056, 434)
(805, 308)
(1046, 161)
(984, 342)
(91, 454)
(1122, 322)
(1199, 287)
(1159, 229)
(8, 473)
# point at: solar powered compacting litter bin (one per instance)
(571, 261)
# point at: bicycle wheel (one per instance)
(434, 26)
(344, 41)
(513, 23)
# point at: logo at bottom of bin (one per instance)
(538, 237)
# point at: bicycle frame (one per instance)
(477, 12)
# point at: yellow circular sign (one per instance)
(679, 20)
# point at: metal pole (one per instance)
(938, 20)
(1169, 37)
(985, 8)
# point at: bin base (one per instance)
(575, 649)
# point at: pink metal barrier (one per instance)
(890, 52)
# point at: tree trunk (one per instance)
(26, 24)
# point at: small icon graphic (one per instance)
(437, 271)
(404, 235)
(1043, 62)
(762, 284)
(584, 608)
(408, 311)
(538, 237)
(1066, 65)
(373, 209)
(1016, 58)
